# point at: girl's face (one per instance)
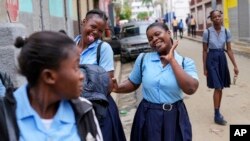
(93, 28)
(159, 39)
(68, 77)
(216, 18)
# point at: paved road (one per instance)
(235, 103)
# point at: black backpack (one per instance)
(6, 80)
(96, 86)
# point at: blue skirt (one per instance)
(111, 125)
(158, 122)
(218, 75)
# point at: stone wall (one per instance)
(8, 52)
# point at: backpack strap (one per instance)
(6, 80)
(208, 36)
(10, 126)
(142, 58)
(226, 38)
(183, 59)
(226, 34)
(98, 53)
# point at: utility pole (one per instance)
(170, 12)
(214, 5)
(41, 14)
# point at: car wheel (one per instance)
(123, 59)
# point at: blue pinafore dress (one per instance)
(218, 75)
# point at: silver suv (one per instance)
(134, 40)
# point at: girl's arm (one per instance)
(187, 83)
(204, 56)
(231, 57)
(125, 87)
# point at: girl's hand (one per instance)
(205, 72)
(236, 71)
(170, 55)
(115, 85)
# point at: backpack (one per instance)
(6, 81)
(96, 85)
(180, 25)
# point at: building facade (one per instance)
(39, 15)
(236, 16)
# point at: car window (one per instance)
(131, 31)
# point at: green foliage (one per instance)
(126, 12)
(122, 16)
(142, 15)
(147, 2)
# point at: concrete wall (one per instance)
(34, 15)
(233, 20)
(37, 15)
(8, 53)
(243, 18)
(3, 14)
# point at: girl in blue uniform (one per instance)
(164, 75)
(214, 61)
(48, 107)
(93, 27)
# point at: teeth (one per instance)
(158, 44)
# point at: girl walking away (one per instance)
(193, 26)
(175, 27)
(92, 29)
(214, 61)
(164, 75)
(180, 28)
(48, 107)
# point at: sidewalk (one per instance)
(237, 46)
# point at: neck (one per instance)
(43, 102)
(217, 27)
(83, 45)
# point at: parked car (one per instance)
(115, 44)
(134, 40)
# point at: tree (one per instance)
(147, 2)
(156, 2)
(142, 15)
(126, 12)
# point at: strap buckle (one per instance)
(167, 107)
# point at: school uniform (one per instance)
(74, 120)
(63, 126)
(161, 115)
(218, 75)
(111, 125)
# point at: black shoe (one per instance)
(220, 120)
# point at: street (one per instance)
(235, 104)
